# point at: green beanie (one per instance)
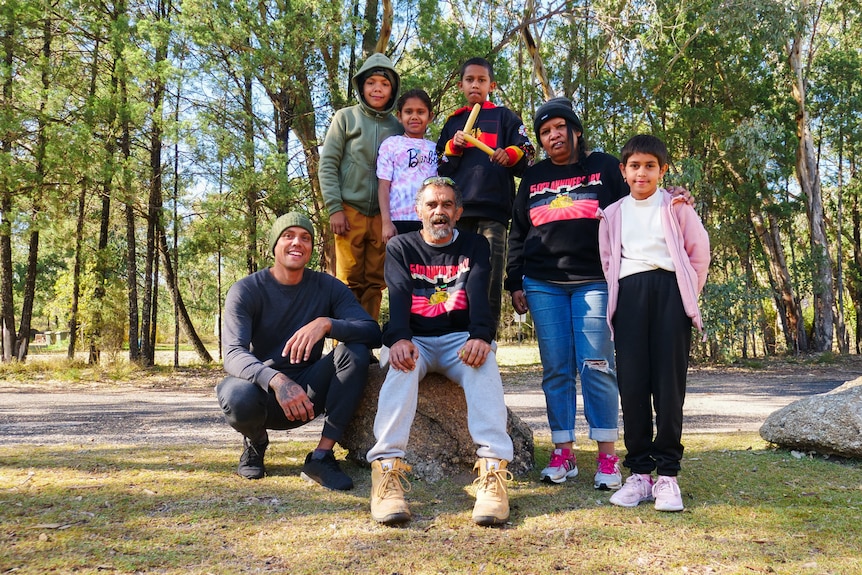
(285, 221)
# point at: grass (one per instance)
(180, 509)
(57, 367)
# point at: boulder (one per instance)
(827, 423)
(440, 445)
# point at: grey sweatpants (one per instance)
(483, 390)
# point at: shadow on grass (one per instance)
(181, 509)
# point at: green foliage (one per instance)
(110, 312)
(731, 309)
(257, 83)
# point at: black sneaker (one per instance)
(251, 461)
(326, 472)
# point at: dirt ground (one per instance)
(168, 406)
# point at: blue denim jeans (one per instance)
(574, 338)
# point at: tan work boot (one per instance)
(492, 501)
(388, 485)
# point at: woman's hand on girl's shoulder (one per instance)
(681, 191)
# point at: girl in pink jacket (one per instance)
(655, 257)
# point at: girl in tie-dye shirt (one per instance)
(403, 163)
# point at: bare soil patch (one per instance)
(166, 405)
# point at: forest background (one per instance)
(146, 146)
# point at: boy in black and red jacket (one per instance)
(486, 181)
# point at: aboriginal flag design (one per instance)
(445, 291)
(554, 205)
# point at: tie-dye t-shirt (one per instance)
(405, 162)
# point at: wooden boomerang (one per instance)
(479, 144)
(474, 113)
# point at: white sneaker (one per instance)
(608, 476)
(667, 494)
(638, 487)
(563, 465)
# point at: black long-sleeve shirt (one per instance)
(261, 314)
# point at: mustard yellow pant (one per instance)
(359, 257)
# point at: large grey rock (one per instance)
(440, 445)
(828, 423)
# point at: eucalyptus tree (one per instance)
(88, 35)
(801, 47)
(155, 32)
(738, 120)
(38, 167)
(439, 38)
(208, 250)
(140, 36)
(115, 114)
(836, 95)
(734, 119)
(222, 49)
(223, 137)
(104, 28)
(122, 51)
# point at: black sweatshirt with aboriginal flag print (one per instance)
(437, 290)
(554, 234)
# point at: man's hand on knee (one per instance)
(298, 348)
(403, 355)
(292, 398)
(475, 352)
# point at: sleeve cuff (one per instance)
(452, 149)
(515, 154)
(264, 377)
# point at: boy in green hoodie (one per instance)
(348, 180)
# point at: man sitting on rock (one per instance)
(275, 323)
(440, 322)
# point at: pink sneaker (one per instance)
(608, 477)
(638, 487)
(563, 465)
(667, 494)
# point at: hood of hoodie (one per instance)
(376, 60)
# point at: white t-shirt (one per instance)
(643, 245)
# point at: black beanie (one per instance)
(556, 108)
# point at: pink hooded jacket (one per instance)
(687, 242)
